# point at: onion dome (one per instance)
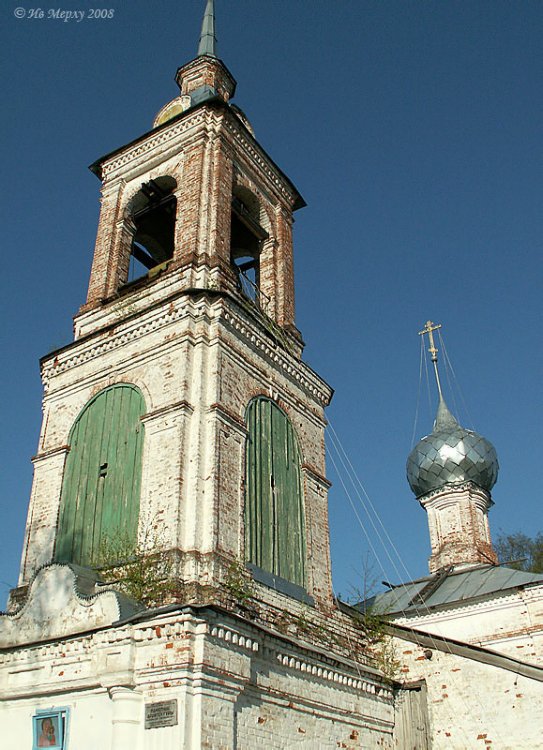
(451, 455)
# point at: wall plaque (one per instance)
(161, 714)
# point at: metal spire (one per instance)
(429, 328)
(208, 40)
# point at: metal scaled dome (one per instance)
(451, 455)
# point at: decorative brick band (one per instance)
(276, 355)
(168, 134)
(257, 157)
(501, 598)
(332, 675)
(455, 488)
(166, 631)
(167, 315)
(236, 639)
(303, 665)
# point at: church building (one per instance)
(183, 424)
(175, 586)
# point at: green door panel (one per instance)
(101, 486)
(274, 509)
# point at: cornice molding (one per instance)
(316, 476)
(131, 153)
(289, 656)
(493, 601)
(251, 149)
(215, 119)
(171, 311)
(61, 450)
(183, 407)
(229, 418)
(455, 489)
(303, 663)
(293, 368)
(102, 343)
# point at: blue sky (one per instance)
(413, 131)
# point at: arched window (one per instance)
(152, 211)
(274, 507)
(246, 240)
(100, 498)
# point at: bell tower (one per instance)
(182, 418)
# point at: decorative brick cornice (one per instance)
(229, 635)
(251, 150)
(303, 663)
(101, 343)
(170, 311)
(455, 489)
(190, 120)
(495, 600)
(295, 370)
(315, 669)
(164, 630)
(163, 136)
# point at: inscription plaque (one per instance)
(161, 714)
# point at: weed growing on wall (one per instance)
(238, 584)
(143, 572)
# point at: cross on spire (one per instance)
(429, 328)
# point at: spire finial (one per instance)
(208, 40)
(429, 328)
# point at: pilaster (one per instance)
(104, 271)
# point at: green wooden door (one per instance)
(274, 509)
(101, 487)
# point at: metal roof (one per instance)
(451, 455)
(449, 587)
(208, 40)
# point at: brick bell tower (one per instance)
(182, 418)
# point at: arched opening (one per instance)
(246, 239)
(100, 498)
(274, 506)
(152, 212)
